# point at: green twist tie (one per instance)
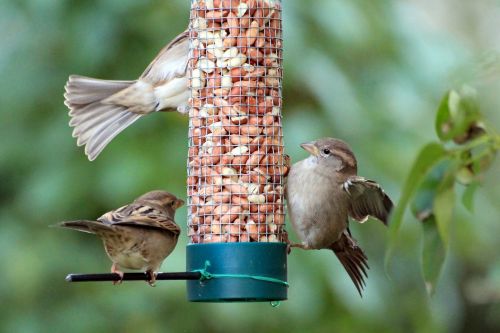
(206, 275)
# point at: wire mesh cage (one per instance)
(236, 162)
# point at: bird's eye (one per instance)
(326, 151)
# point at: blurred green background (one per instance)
(370, 72)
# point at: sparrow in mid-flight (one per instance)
(101, 109)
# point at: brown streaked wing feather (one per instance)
(152, 221)
(353, 259)
(367, 199)
(175, 54)
(141, 215)
(116, 215)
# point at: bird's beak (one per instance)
(178, 203)
(311, 148)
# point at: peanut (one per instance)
(236, 165)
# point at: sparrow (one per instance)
(322, 191)
(101, 109)
(139, 235)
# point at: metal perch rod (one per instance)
(132, 277)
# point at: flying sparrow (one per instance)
(139, 235)
(101, 109)
(322, 191)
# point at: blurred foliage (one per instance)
(430, 184)
(371, 73)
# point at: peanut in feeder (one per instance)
(236, 164)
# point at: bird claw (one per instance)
(352, 243)
(302, 246)
(152, 278)
(183, 109)
(114, 269)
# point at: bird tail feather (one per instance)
(91, 227)
(353, 259)
(95, 121)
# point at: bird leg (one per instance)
(352, 242)
(183, 109)
(152, 277)
(302, 246)
(115, 269)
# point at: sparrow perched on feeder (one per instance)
(322, 191)
(139, 235)
(101, 109)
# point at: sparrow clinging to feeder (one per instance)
(322, 192)
(101, 109)
(139, 235)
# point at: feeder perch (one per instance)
(236, 163)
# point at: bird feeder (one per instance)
(236, 164)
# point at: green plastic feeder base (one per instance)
(238, 272)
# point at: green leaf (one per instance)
(443, 118)
(457, 115)
(482, 160)
(465, 175)
(444, 203)
(430, 155)
(422, 204)
(433, 254)
(468, 196)
(469, 102)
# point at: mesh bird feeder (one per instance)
(236, 163)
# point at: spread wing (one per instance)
(171, 62)
(140, 215)
(367, 199)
